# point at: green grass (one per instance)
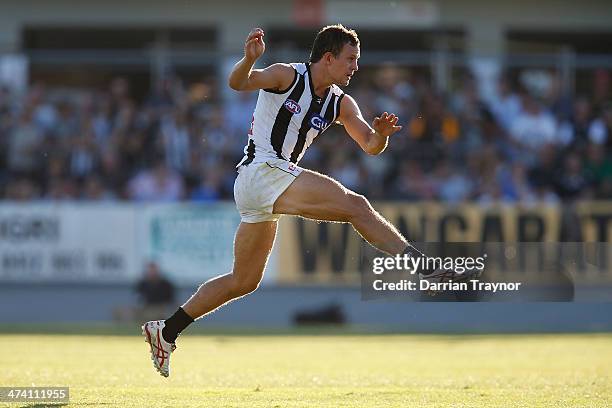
(550, 370)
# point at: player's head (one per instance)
(338, 49)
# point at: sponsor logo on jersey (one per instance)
(292, 106)
(318, 123)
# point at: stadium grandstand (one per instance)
(126, 122)
(119, 140)
(512, 112)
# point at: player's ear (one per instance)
(328, 57)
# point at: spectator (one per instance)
(452, 184)
(210, 187)
(176, 139)
(24, 142)
(182, 142)
(578, 125)
(157, 184)
(96, 190)
(533, 127)
(598, 171)
(239, 113)
(346, 171)
(154, 289)
(156, 297)
(506, 106)
(572, 181)
(412, 184)
(513, 183)
(600, 131)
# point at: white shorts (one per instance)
(258, 185)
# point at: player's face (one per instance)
(345, 65)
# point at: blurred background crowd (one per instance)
(527, 142)
(505, 107)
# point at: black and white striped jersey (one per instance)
(286, 122)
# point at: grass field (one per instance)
(550, 370)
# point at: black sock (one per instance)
(412, 252)
(175, 325)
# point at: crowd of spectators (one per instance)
(527, 142)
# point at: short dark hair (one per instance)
(332, 38)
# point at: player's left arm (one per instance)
(372, 139)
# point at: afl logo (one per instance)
(318, 122)
(292, 106)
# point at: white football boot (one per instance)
(160, 348)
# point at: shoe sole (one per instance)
(145, 332)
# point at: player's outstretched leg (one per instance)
(316, 196)
(252, 246)
(319, 197)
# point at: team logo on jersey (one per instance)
(318, 123)
(292, 106)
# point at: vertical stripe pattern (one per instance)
(285, 123)
(250, 153)
(313, 109)
(281, 124)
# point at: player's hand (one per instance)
(254, 46)
(386, 124)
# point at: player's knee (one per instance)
(250, 286)
(243, 287)
(360, 207)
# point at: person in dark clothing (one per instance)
(156, 296)
(154, 289)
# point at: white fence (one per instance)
(111, 243)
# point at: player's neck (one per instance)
(320, 80)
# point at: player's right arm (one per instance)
(244, 78)
(372, 139)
